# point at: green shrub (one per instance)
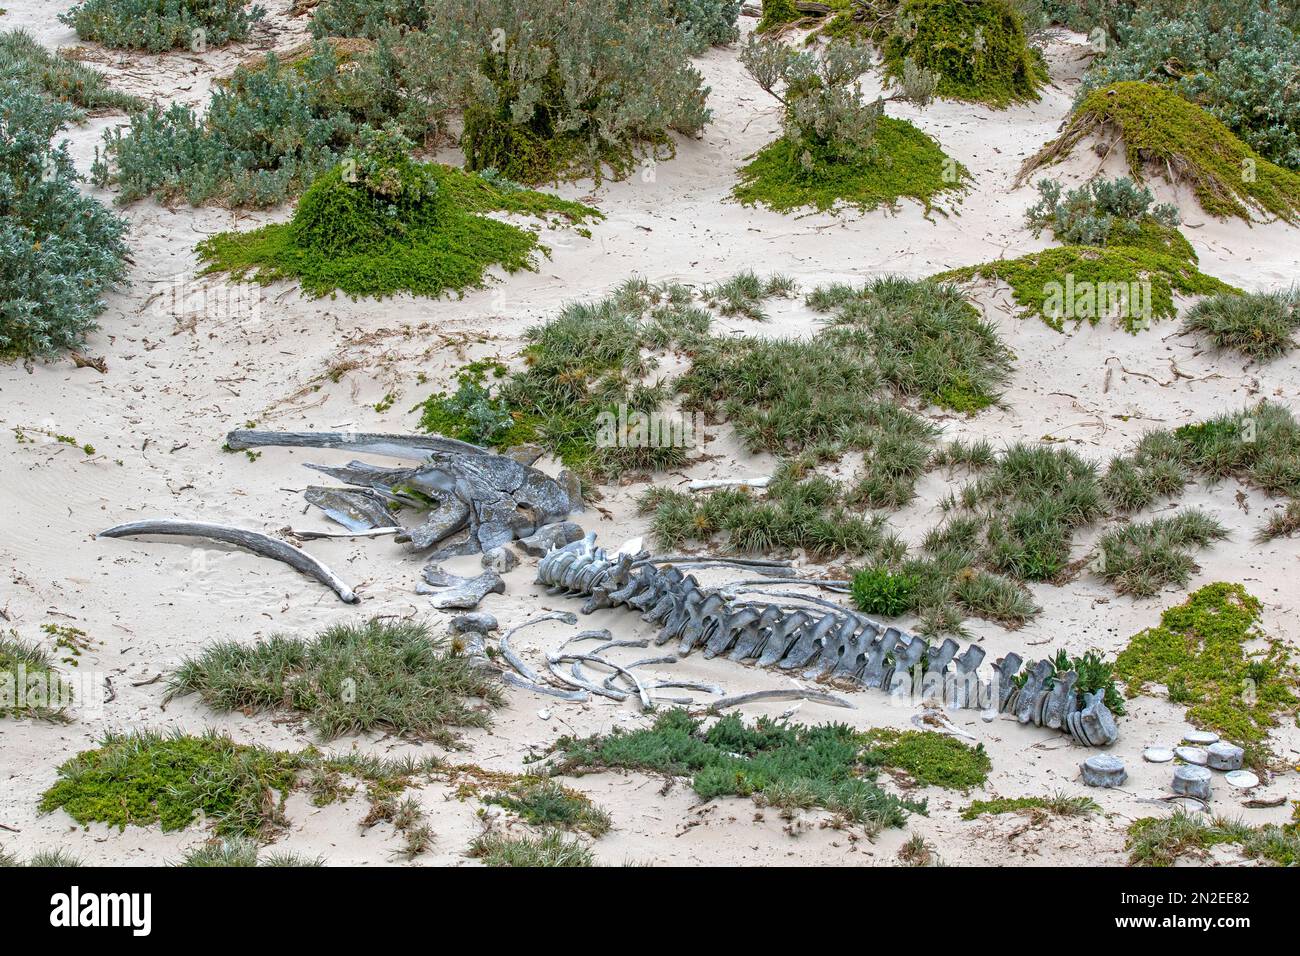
(380, 676)
(553, 89)
(1132, 285)
(157, 25)
(978, 49)
(931, 759)
(545, 803)
(880, 591)
(59, 250)
(381, 223)
(366, 18)
(1100, 213)
(265, 136)
(1094, 674)
(1259, 325)
(776, 13)
(707, 23)
(1238, 61)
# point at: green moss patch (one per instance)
(1199, 653)
(1059, 804)
(905, 163)
(146, 778)
(777, 763)
(380, 223)
(1162, 130)
(1131, 284)
(929, 758)
(978, 49)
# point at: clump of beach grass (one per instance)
(383, 675)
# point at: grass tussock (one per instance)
(1204, 653)
(1282, 523)
(787, 766)
(23, 58)
(387, 676)
(545, 803)
(1142, 558)
(810, 513)
(30, 687)
(743, 294)
(548, 849)
(1156, 841)
(1258, 325)
(580, 370)
(238, 851)
(43, 859)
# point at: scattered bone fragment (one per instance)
(477, 622)
(1192, 781)
(1103, 770)
(1157, 755)
(254, 541)
(500, 559)
(816, 696)
(1222, 755)
(1202, 738)
(555, 535)
(1196, 756)
(453, 592)
(357, 509)
(1242, 780)
(708, 484)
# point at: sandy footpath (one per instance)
(176, 383)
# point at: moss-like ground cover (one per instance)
(1175, 137)
(1198, 652)
(978, 49)
(1133, 284)
(906, 164)
(146, 778)
(931, 759)
(399, 226)
(1060, 804)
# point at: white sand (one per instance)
(176, 384)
